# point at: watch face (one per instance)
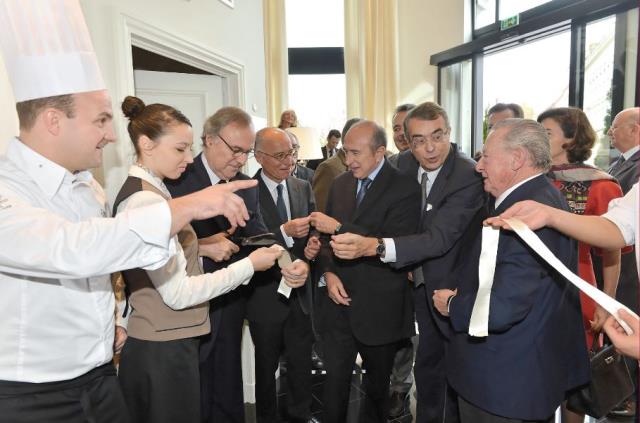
(380, 249)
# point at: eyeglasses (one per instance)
(235, 151)
(435, 137)
(282, 156)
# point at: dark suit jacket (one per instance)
(194, 179)
(381, 309)
(454, 198)
(304, 173)
(627, 173)
(535, 350)
(265, 304)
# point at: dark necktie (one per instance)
(364, 186)
(282, 208)
(418, 276)
(617, 165)
(423, 184)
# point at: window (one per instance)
(560, 53)
(317, 86)
(598, 76)
(534, 75)
(455, 98)
(485, 13)
(513, 7)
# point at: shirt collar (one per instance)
(212, 176)
(431, 174)
(146, 176)
(48, 175)
(375, 171)
(630, 152)
(505, 194)
(270, 183)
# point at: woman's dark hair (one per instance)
(576, 127)
(152, 120)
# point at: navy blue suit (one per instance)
(535, 350)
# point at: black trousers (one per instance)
(341, 349)
(294, 338)
(469, 413)
(436, 401)
(94, 397)
(221, 390)
(160, 380)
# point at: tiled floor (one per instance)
(357, 396)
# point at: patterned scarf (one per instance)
(575, 181)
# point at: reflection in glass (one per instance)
(512, 7)
(455, 96)
(598, 75)
(534, 75)
(485, 13)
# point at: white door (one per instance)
(196, 96)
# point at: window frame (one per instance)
(542, 21)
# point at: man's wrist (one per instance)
(338, 227)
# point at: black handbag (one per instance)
(610, 383)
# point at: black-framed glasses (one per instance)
(436, 137)
(235, 151)
(283, 155)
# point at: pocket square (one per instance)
(429, 207)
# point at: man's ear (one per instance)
(52, 118)
(519, 158)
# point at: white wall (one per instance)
(425, 27)
(236, 34)
(8, 117)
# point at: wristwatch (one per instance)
(337, 228)
(381, 248)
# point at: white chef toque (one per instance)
(46, 49)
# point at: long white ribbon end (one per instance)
(606, 302)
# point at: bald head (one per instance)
(625, 129)
(275, 153)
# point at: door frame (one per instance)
(131, 31)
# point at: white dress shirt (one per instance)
(630, 152)
(177, 289)
(272, 186)
(57, 252)
(623, 212)
(212, 176)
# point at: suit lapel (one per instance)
(295, 198)
(437, 188)
(200, 171)
(270, 211)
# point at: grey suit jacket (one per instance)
(627, 173)
(265, 304)
(456, 196)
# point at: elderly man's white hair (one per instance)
(531, 136)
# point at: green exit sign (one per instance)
(509, 22)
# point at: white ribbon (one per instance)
(283, 261)
(479, 323)
(606, 302)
